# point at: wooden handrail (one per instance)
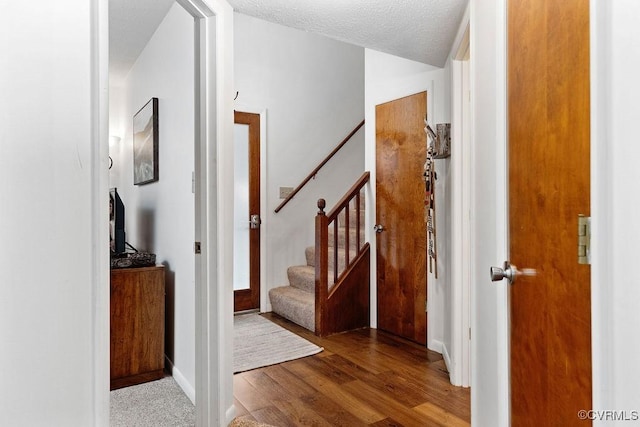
(315, 171)
(344, 201)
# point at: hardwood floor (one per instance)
(362, 378)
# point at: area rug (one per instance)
(259, 342)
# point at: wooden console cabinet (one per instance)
(137, 325)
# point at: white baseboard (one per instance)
(230, 414)
(435, 345)
(449, 363)
(188, 389)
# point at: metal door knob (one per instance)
(255, 221)
(379, 228)
(510, 272)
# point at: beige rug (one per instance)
(259, 342)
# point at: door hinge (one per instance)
(196, 248)
(584, 239)
(426, 306)
(469, 334)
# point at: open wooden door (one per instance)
(402, 233)
(549, 169)
(246, 287)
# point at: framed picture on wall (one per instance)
(145, 143)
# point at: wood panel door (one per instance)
(402, 243)
(549, 144)
(246, 294)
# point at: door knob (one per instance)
(510, 272)
(255, 221)
(379, 228)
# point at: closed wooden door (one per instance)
(246, 269)
(548, 102)
(400, 191)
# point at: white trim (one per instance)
(601, 202)
(181, 380)
(99, 187)
(489, 305)
(447, 360)
(214, 209)
(265, 305)
(460, 363)
(224, 136)
(432, 344)
(502, 210)
(437, 346)
(465, 304)
(462, 36)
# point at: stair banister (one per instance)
(315, 171)
(351, 286)
(321, 262)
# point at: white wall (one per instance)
(53, 187)
(160, 215)
(615, 175)
(389, 77)
(312, 88)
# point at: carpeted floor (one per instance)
(160, 403)
(259, 342)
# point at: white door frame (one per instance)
(489, 305)
(458, 356)
(214, 209)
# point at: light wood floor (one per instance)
(365, 377)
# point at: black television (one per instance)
(116, 223)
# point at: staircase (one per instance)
(342, 299)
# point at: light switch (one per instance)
(285, 191)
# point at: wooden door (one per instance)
(247, 235)
(401, 246)
(548, 97)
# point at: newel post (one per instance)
(321, 262)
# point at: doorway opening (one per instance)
(213, 212)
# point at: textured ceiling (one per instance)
(420, 30)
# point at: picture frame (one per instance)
(145, 144)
